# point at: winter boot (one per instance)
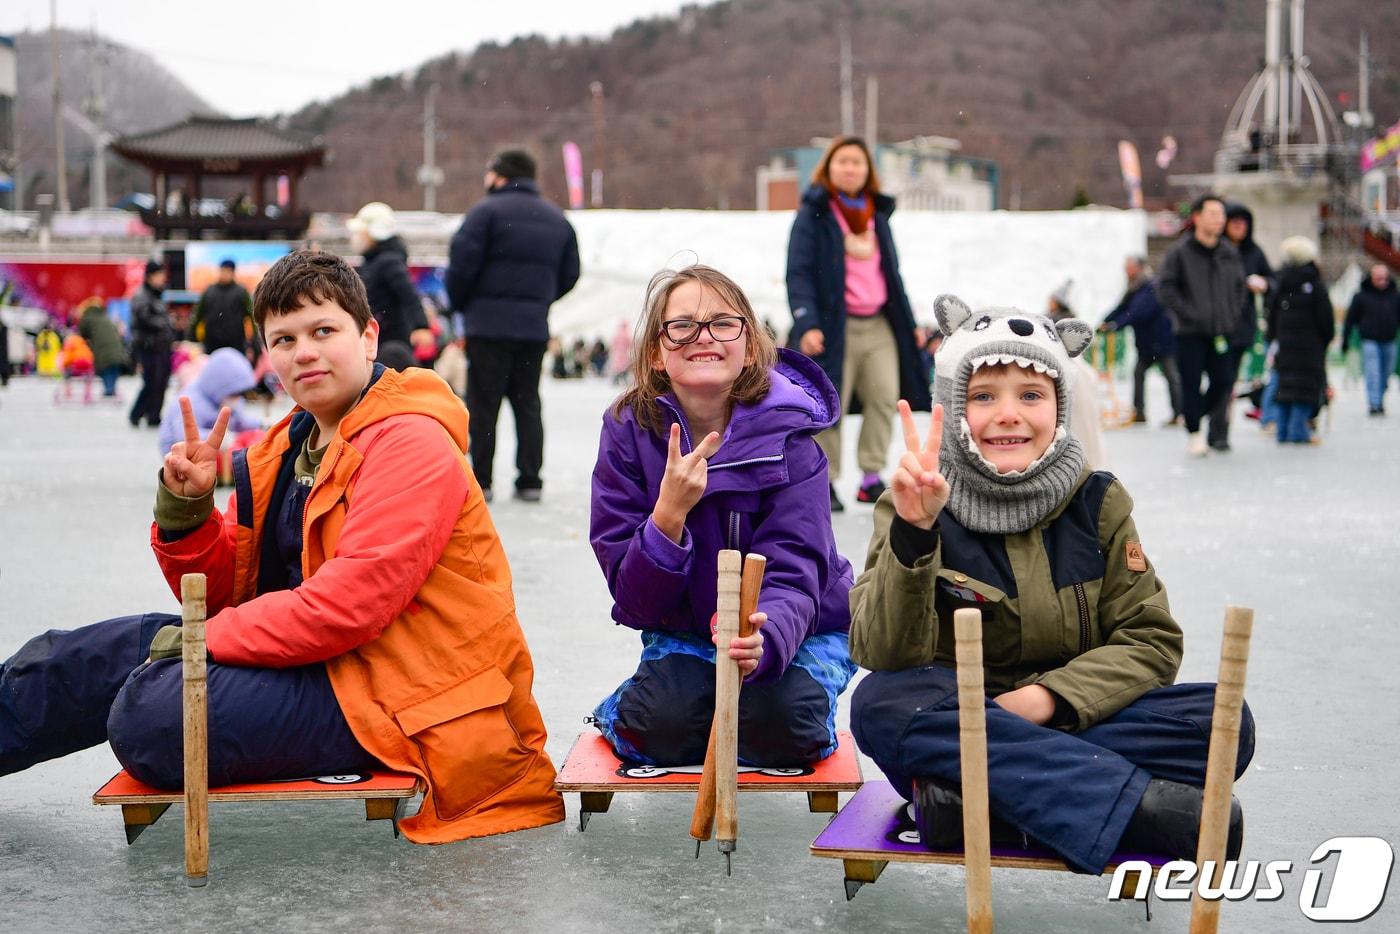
(1168, 822)
(938, 817)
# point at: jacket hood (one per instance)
(384, 247)
(226, 373)
(819, 198)
(800, 400)
(415, 391)
(517, 184)
(1294, 275)
(1233, 211)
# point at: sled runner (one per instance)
(384, 793)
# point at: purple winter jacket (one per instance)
(766, 492)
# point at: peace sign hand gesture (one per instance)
(192, 466)
(683, 483)
(920, 492)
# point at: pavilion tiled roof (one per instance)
(216, 138)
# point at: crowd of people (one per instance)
(379, 628)
(1217, 299)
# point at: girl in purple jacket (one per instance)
(713, 447)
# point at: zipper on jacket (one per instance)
(1082, 600)
(734, 531)
(765, 459)
(680, 420)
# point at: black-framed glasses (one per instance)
(685, 331)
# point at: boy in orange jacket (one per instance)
(360, 602)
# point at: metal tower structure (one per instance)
(1282, 121)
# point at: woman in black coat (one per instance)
(1301, 319)
(849, 309)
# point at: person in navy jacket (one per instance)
(514, 256)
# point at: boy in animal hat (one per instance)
(1091, 748)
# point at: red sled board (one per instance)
(875, 828)
(384, 795)
(592, 766)
(596, 773)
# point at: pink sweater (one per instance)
(865, 281)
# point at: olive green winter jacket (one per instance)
(1072, 604)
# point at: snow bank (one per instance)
(1001, 257)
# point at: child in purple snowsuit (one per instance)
(714, 448)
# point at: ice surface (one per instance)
(1306, 537)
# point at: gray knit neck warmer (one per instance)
(981, 498)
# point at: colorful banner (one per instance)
(57, 286)
(573, 174)
(1378, 150)
(1132, 172)
(251, 261)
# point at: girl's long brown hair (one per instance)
(649, 382)
(821, 175)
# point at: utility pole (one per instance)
(61, 186)
(96, 107)
(1363, 80)
(848, 106)
(599, 143)
(872, 112)
(429, 175)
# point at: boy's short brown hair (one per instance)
(307, 276)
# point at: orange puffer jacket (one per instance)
(406, 598)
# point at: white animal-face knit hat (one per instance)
(981, 498)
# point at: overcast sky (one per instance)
(253, 57)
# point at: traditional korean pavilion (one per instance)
(182, 156)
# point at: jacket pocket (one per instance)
(1001, 643)
(471, 749)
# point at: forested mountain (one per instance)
(693, 103)
(139, 94)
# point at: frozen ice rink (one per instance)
(1308, 538)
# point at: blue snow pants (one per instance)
(68, 690)
(662, 714)
(1073, 792)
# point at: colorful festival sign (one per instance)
(573, 174)
(1380, 149)
(1132, 172)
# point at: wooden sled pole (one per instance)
(726, 723)
(702, 821)
(1220, 762)
(196, 726)
(972, 736)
